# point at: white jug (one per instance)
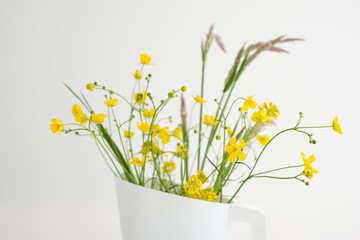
(147, 214)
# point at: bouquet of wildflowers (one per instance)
(160, 157)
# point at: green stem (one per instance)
(201, 112)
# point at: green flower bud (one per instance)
(218, 137)
(183, 88)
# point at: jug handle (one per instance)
(252, 215)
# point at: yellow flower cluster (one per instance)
(168, 167)
(79, 115)
(193, 189)
(265, 113)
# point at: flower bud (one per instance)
(171, 94)
(183, 88)
(111, 92)
(149, 75)
(96, 84)
(218, 137)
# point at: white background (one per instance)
(58, 187)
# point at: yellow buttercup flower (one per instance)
(177, 133)
(140, 97)
(98, 119)
(199, 99)
(168, 167)
(152, 147)
(56, 126)
(207, 194)
(137, 74)
(79, 115)
(193, 186)
(271, 110)
(128, 134)
(248, 103)
(260, 117)
(145, 59)
(235, 150)
(164, 135)
(81, 118)
(137, 161)
(76, 110)
(201, 175)
(308, 169)
(263, 139)
(148, 113)
(111, 102)
(90, 86)
(156, 130)
(336, 126)
(210, 120)
(143, 126)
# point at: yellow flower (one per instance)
(207, 194)
(228, 129)
(145, 59)
(81, 118)
(137, 74)
(76, 110)
(111, 102)
(183, 88)
(201, 175)
(271, 110)
(148, 114)
(193, 186)
(137, 161)
(98, 119)
(308, 169)
(156, 130)
(249, 103)
(78, 114)
(128, 134)
(180, 152)
(151, 146)
(235, 150)
(140, 97)
(199, 99)
(164, 135)
(263, 139)
(90, 86)
(177, 133)
(260, 117)
(143, 126)
(210, 120)
(336, 126)
(168, 167)
(56, 126)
